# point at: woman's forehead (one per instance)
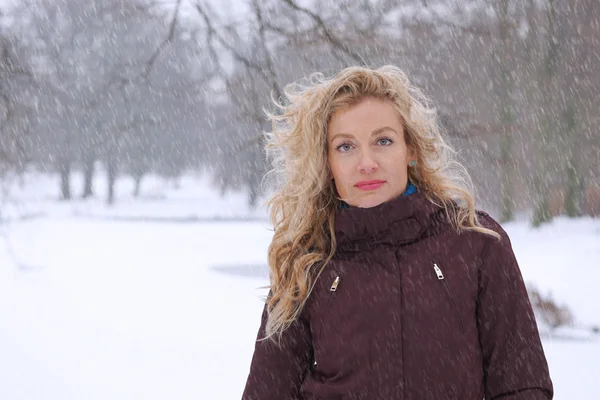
(367, 117)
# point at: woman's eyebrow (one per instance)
(346, 135)
(382, 129)
(375, 132)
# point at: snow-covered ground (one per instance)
(158, 297)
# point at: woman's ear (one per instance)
(411, 157)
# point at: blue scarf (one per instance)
(410, 189)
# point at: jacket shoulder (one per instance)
(487, 221)
(494, 250)
(491, 245)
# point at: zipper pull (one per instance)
(335, 284)
(438, 271)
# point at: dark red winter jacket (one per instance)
(409, 310)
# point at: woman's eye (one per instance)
(344, 147)
(384, 142)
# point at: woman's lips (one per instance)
(369, 185)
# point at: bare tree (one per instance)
(107, 71)
(274, 47)
(16, 105)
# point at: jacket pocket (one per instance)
(442, 279)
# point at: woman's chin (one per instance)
(370, 200)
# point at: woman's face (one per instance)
(367, 153)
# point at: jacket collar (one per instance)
(399, 221)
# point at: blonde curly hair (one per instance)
(303, 206)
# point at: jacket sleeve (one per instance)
(515, 367)
(277, 371)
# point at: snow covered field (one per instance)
(158, 297)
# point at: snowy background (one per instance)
(158, 297)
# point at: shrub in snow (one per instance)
(546, 309)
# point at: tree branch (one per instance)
(213, 33)
(269, 58)
(165, 42)
(334, 41)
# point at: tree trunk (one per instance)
(224, 185)
(253, 197)
(111, 169)
(508, 173)
(138, 183)
(88, 177)
(545, 141)
(64, 169)
(573, 193)
(508, 115)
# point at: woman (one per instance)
(386, 283)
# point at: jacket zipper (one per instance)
(332, 289)
(335, 284)
(440, 277)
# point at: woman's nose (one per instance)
(367, 163)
